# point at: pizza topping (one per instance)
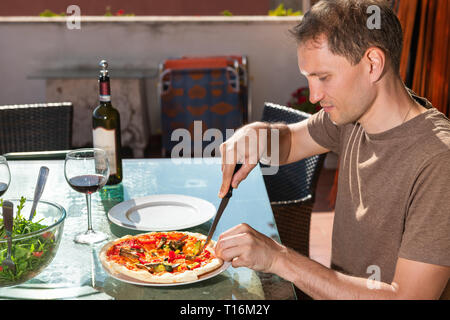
(176, 245)
(128, 254)
(162, 243)
(159, 253)
(170, 268)
(197, 247)
(158, 267)
(193, 266)
(172, 256)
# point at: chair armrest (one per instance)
(37, 155)
(307, 198)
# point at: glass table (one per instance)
(76, 272)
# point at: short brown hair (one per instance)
(344, 24)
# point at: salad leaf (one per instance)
(30, 254)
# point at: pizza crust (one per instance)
(176, 277)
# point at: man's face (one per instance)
(343, 90)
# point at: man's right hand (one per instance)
(246, 147)
(251, 142)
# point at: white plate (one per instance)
(163, 212)
(131, 280)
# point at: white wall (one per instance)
(28, 45)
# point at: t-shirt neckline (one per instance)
(402, 129)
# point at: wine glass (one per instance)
(87, 171)
(5, 175)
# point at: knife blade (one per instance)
(222, 206)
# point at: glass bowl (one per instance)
(32, 252)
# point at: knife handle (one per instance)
(230, 190)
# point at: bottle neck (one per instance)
(105, 90)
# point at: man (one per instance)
(391, 232)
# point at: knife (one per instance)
(222, 206)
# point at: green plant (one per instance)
(226, 13)
(281, 11)
(49, 13)
(108, 12)
(119, 13)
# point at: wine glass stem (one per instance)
(88, 202)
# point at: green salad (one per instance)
(30, 254)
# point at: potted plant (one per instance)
(300, 101)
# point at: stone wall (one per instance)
(31, 45)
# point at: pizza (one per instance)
(161, 257)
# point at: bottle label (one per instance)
(106, 140)
(105, 92)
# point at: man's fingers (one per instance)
(227, 175)
(237, 254)
(230, 180)
(238, 229)
(241, 174)
(229, 254)
(225, 243)
(239, 262)
(228, 153)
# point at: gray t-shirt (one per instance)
(393, 196)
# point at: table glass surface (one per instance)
(76, 272)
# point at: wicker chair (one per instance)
(36, 127)
(291, 190)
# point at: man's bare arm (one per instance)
(302, 144)
(294, 143)
(412, 280)
(246, 247)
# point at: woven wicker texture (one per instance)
(36, 127)
(291, 190)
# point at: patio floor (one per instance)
(322, 220)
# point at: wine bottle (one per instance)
(106, 127)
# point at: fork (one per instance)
(42, 179)
(8, 209)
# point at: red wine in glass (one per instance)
(87, 171)
(87, 183)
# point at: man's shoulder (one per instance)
(432, 144)
(437, 124)
(438, 132)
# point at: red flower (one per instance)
(301, 99)
(120, 12)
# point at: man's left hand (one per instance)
(246, 247)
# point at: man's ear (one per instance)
(375, 59)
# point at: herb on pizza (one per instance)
(162, 256)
